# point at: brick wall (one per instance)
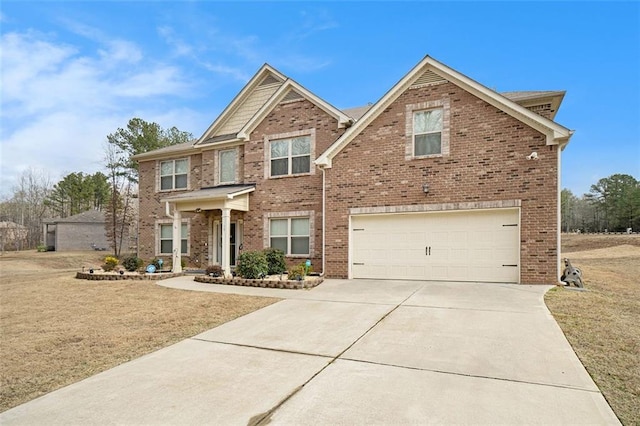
(272, 197)
(152, 211)
(287, 194)
(486, 162)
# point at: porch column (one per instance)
(177, 241)
(226, 239)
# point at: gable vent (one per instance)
(292, 96)
(270, 79)
(428, 77)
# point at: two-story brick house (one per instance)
(441, 179)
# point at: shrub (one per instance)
(214, 271)
(275, 260)
(252, 265)
(110, 263)
(132, 263)
(41, 248)
(297, 272)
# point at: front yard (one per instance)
(603, 323)
(57, 330)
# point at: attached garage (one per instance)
(480, 245)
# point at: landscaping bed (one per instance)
(116, 276)
(267, 282)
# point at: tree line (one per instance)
(612, 205)
(35, 198)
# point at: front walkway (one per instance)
(350, 352)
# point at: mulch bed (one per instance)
(308, 282)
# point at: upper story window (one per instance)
(290, 156)
(227, 166)
(427, 132)
(428, 129)
(174, 174)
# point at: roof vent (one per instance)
(270, 79)
(428, 77)
(292, 96)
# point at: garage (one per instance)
(480, 245)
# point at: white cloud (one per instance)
(58, 104)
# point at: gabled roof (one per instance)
(167, 151)
(292, 90)
(429, 71)
(252, 97)
(357, 112)
(90, 216)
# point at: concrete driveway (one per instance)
(350, 352)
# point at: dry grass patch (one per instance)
(602, 323)
(57, 330)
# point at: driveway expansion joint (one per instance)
(468, 309)
(241, 345)
(475, 376)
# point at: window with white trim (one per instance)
(173, 174)
(290, 156)
(166, 239)
(427, 132)
(227, 166)
(291, 235)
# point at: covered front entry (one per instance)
(235, 241)
(445, 246)
(223, 198)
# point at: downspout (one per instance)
(167, 210)
(559, 217)
(324, 221)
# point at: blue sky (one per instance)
(73, 72)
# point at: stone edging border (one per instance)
(132, 277)
(286, 284)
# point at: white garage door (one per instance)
(452, 246)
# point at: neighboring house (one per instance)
(84, 231)
(435, 181)
(12, 236)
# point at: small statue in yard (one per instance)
(571, 275)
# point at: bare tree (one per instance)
(26, 206)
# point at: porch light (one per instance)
(198, 210)
(425, 188)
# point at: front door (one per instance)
(232, 243)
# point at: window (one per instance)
(227, 166)
(427, 132)
(166, 239)
(291, 235)
(291, 156)
(173, 174)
